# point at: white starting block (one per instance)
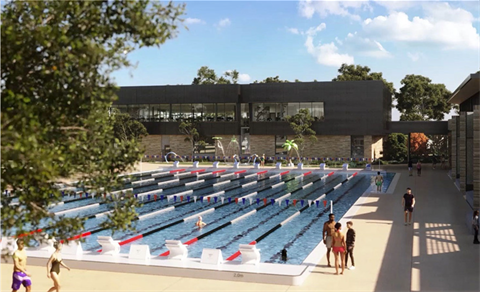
(278, 165)
(345, 166)
(46, 244)
(250, 254)
(72, 248)
(323, 166)
(368, 167)
(139, 252)
(109, 246)
(195, 164)
(211, 256)
(9, 245)
(300, 165)
(176, 163)
(215, 164)
(235, 164)
(178, 250)
(256, 165)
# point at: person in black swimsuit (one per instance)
(53, 267)
(408, 203)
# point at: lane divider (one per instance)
(249, 184)
(137, 182)
(240, 171)
(219, 171)
(231, 222)
(141, 217)
(177, 170)
(221, 183)
(197, 171)
(263, 236)
(77, 209)
(195, 182)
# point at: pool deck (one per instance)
(435, 254)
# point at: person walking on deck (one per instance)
(475, 224)
(328, 231)
(410, 168)
(408, 203)
(350, 245)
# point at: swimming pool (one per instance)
(298, 236)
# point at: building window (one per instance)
(318, 112)
(357, 147)
(164, 112)
(230, 110)
(210, 112)
(198, 110)
(279, 141)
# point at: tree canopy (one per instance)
(358, 72)
(275, 79)
(205, 75)
(421, 100)
(56, 60)
(189, 129)
(127, 128)
(395, 147)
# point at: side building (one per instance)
(465, 139)
(351, 117)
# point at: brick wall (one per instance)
(476, 157)
(225, 143)
(152, 144)
(329, 146)
(452, 127)
(180, 146)
(260, 144)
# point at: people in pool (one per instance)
(339, 248)
(379, 181)
(53, 267)
(200, 223)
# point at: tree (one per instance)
(418, 144)
(357, 72)
(395, 147)
(127, 128)
(301, 124)
(289, 146)
(206, 75)
(421, 100)
(275, 79)
(56, 60)
(189, 129)
(438, 145)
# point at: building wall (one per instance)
(152, 145)
(476, 157)
(226, 139)
(328, 146)
(180, 146)
(262, 144)
(452, 127)
(462, 145)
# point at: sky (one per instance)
(309, 40)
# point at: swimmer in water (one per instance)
(200, 223)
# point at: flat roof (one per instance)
(469, 87)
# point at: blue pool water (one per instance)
(299, 236)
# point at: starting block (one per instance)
(250, 254)
(178, 250)
(109, 246)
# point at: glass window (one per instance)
(306, 105)
(230, 110)
(122, 108)
(220, 112)
(187, 111)
(197, 112)
(209, 112)
(134, 111)
(281, 111)
(292, 108)
(177, 114)
(270, 111)
(279, 141)
(261, 112)
(164, 112)
(317, 111)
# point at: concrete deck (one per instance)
(435, 254)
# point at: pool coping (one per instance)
(281, 274)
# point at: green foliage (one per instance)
(206, 75)
(301, 124)
(421, 100)
(438, 145)
(357, 72)
(56, 59)
(189, 129)
(126, 128)
(290, 146)
(395, 147)
(275, 79)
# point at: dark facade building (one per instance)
(465, 139)
(351, 117)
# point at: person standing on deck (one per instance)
(328, 231)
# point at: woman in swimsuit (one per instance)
(200, 223)
(339, 247)
(53, 267)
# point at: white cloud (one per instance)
(313, 30)
(327, 54)
(224, 22)
(293, 30)
(443, 26)
(308, 8)
(194, 21)
(414, 56)
(364, 46)
(244, 77)
(395, 5)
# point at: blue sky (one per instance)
(308, 40)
